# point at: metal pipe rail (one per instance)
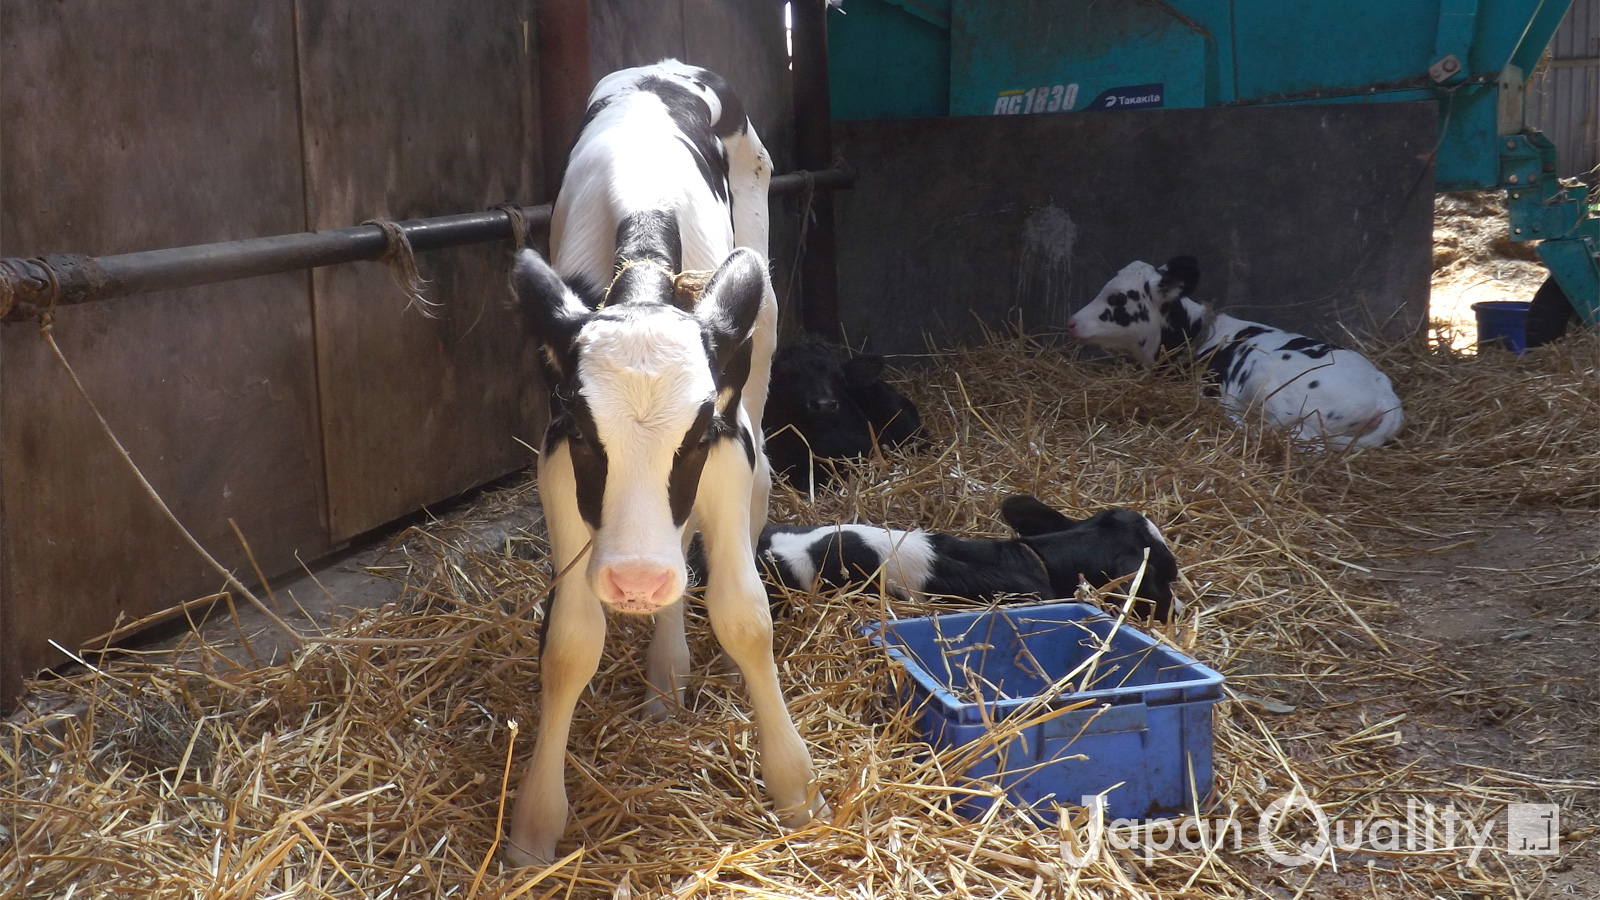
(29, 288)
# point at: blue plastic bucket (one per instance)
(1500, 323)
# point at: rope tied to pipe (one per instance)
(519, 225)
(8, 291)
(25, 285)
(809, 179)
(402, 263)
(519, 241)
(31, 288)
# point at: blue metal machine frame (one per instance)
(904, 58)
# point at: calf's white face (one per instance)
(1134, 313)
(644, 382)
(643, 389)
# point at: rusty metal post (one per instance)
(564, 81)
(813, 127)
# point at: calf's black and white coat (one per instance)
(655, 425)
(1047, 559)
(1311, 389)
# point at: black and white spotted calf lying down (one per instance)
(1047, 559)
(655, 412)
(1311, 389)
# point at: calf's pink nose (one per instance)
(637, 584)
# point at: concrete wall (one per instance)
(1316, 219)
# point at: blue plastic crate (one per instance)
(1145, 734)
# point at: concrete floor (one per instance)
(320, 594)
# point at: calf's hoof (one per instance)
(521, 857)
(815, 809)
(658, 708)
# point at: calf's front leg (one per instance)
(576, 636)
(568, 658)
(666, 663)
(742, 621)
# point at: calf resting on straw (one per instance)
(823, 406)
(1046, 560)
(655, 413)
(1313, 390)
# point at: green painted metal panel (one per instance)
(1294, 50)
(1573, 265)
(902, 58)
(889, 60)
(1457, 20)
(1514, 32)
(1469, 147)
(1038, 56)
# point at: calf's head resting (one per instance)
(1142, 311)
(1109, 545)
(641, 389)
(811, 389)
(827, 406)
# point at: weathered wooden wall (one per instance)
(128, 127)
(415, 409)
(308, 407)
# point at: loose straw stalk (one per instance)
(365, 766)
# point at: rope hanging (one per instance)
(402, 263)
(809, 194)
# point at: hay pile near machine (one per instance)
(375, 762)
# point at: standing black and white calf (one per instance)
(1312, 389)
(655, 412)
(1047, 560)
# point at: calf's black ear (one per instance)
(1027, 515)
(553, 311)
(860, 371)
(730, 302)
(1180, 276)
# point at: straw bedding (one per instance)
(378, 767)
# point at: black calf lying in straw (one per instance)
(1047, 559)
(824, 406)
